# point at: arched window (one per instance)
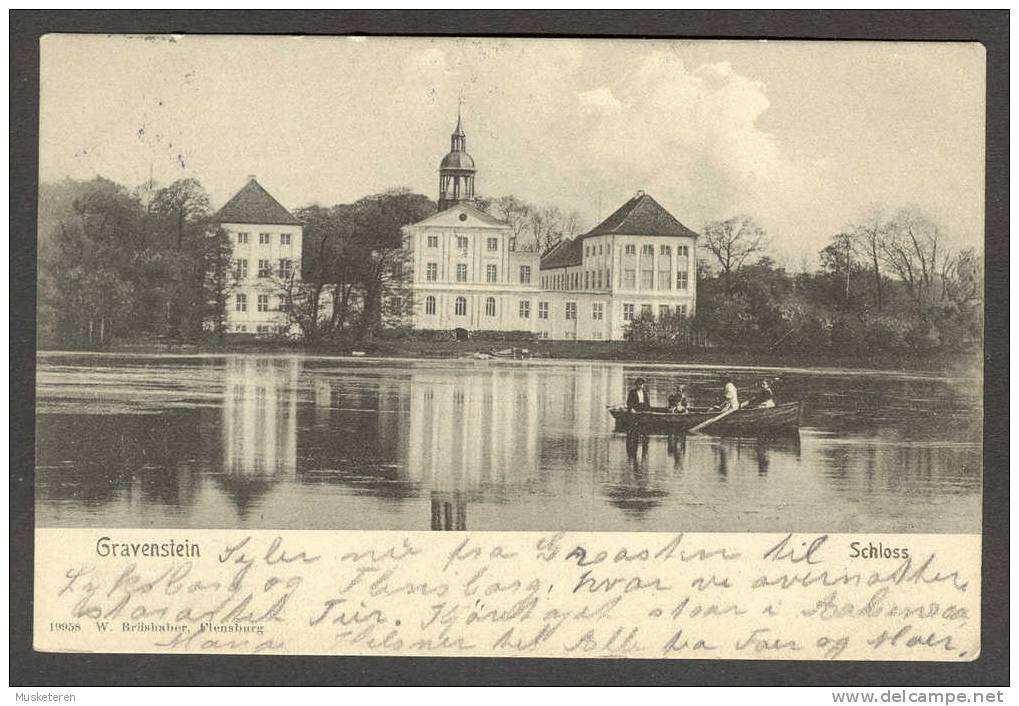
(460, 306)
(430, 306)
(490, 306)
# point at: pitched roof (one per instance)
(253, 204)
(641, 215)
(566, 254)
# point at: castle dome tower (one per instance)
(456, 171)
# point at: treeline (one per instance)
(354, 274)
(151, 264)
(885, 284)
(117, 264)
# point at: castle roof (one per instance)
(253, 204)
(641, 215)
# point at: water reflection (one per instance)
(259, 429)
(291, 442)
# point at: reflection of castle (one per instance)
(259, 426)
(497, 426)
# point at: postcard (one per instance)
(496, 347)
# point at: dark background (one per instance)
(29, 668)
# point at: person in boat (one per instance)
(637, 399)
(730, 397)
(762, 399)
(679, 403)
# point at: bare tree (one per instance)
(915, 250)
(868, 238)
(733, 242)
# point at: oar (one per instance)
(700, 426)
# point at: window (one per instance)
(491, 274)
(492, 244)
(682, 279)
(599, 249)
(263, 238)
(431, 272)
(263, 302)
(460, 306)
(663, 311)
(664, 279)
(681, 310)
(284, 238)
(286, 267)
(241, 302)
(683, 251)
(665, 250)
(461, 243)
(542, 310)
(630, 250)
(586, 285)
(264, 329)
(490, 306)
(596, 335)
(525, 309)
(433, 241)
(645, 310)
(242, 269)
(629, 279)
(598, 311)
(647, 279)
(241, 328)
(396, 304)
(430, 306)
(647, 250)
(264, 268)
(525, 274)
(571, 311)
(627, 312)
(461, 273)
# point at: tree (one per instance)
(732, 242)
(535, 229)
(184, 200)
(868, 238)
(378, 242)
(914, 249)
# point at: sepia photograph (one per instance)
(495, 284)
(480, 347)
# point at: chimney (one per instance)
(251, 177)
(640, 192)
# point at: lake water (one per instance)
(327, 443)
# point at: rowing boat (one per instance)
(747, 422)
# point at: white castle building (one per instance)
(467, 272)
(266, 241)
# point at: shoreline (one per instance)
(967, 364)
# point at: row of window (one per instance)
(524, 309)
(629, 310)
(463, 243)
(631, 249)
(261, 328)
(261, 303)
(263, 238)
(491, 273)
(593, 279)
(285, 269)
(681, 250)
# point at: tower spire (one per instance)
(456, 172)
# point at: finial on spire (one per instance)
(459, 112)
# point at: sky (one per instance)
(803, 136)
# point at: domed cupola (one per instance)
(456, 171)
